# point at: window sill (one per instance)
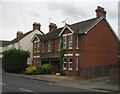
(77, 48)
(64, 68)
(70, 69)
(70, 48)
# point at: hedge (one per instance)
(15, 60)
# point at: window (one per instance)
(70, 42)
(49, 46)
(42, 46)
(77, 42)
(34, 47)
(64, 64)
(64, 42)
(77, 63)
(38, 47)
(13, 45)
(70, 63)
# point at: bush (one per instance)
(47, 68)
(39, 71)
(62, 73)
(15, 60)
(31, 70)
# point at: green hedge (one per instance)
(15, 60)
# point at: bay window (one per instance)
(70, 60)
(64, 64)
(77, 63)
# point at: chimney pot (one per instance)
(36, 26)
(19, 33)
(52, 27)
(100, 12)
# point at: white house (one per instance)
(23, 41)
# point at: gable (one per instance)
(108, 26)
(35, 38)
(66, 28)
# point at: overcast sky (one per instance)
(19, 15)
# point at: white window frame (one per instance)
(70, 68)
(34, 45)
(64, 68)
(38, 46)
(49, 46)
(77, 60)
(70, 37)
(77, 42)
(64, 42)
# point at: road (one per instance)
(16, 84)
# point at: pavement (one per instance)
(95, 84)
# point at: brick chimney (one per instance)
(52, 27)
(100, 12)
(36, 26)
(19, 33)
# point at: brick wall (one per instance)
(100, 48)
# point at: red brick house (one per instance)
(91, 47)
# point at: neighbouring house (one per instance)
(91, 47)
(23, 41)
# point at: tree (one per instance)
(15, 60)
(62, 52)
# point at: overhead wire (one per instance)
(22, 14)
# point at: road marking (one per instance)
(26, 90)
(50, 83)
(2, 84)
(99, 90)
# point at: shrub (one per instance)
(15, 60)
(31, 70)
(47, 68)
(62, 73)
(39, 71)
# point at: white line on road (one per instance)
(2, 84)
(99, 90)
(26, 90)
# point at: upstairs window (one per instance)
(64, 42)
(38, 46)
(42, 46)
(49, 46)
(59, 44)
(77, 42)
(35, 48)
(70, 41)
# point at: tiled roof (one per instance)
(3, 42)
(83, 26)
(20, 37)
(52, 35)
(51, 55)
